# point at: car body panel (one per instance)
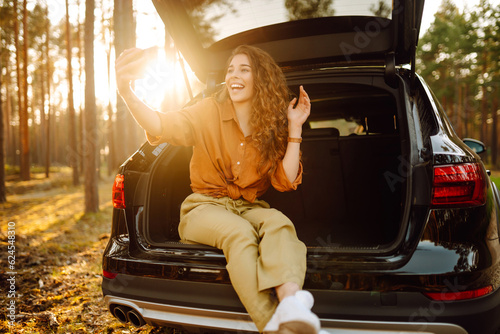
(162, 302)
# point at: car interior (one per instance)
(351, 148)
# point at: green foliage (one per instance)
(447, 50)
(307, 9)
(381, 9)
(37, 20)
(496, 179)
(458, 57)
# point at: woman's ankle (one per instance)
(286, 289)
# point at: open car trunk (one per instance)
(351, 196)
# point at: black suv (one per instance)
(399, 215)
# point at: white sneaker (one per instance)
(305, 298)
(273, 325)
(293, 316)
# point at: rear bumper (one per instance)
(185, 304)
(188, 317)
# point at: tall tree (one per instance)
(91, 137)
(458, 57)
(73, 150)
(6, 21)
(445, 58)
(489, 78)
(48, 87)
(494, 133)
(79, 43)
(7, 44)
(37, 43)
(107, 40)
(23, 112)
(124, 31)
(3, 191)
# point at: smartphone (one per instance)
(151, 53)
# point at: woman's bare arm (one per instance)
(296, 118)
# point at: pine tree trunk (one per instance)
(124, 31)
(9, 144)
(460, 123)
(18, 67)
(91, 140)
(112, 163)
(467, 121)
(43, 119)
(3, 191)
(22, 116)
(80, 78)
(494, 134)
(23, 113)
(111, 160)
(73, 151)
(484, 103)
(48, 79)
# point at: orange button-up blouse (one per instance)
(224, 161)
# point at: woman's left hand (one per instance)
(298, 115)
(296, 118)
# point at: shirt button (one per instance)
(241, 144)
(238, 163)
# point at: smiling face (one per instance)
(239, 79)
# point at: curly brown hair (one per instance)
(270, 103)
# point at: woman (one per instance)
(244, 139)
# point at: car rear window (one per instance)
(215, 20)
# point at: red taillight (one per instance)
(118, 193)
(459, 185)
(108, 274)
(459, 295)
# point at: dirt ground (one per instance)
(50, 281)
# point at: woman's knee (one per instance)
(272, 219)
(241, 234)
(222, 228)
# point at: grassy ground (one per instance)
(495, 177)
(57, 263)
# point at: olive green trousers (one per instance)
(260, 245)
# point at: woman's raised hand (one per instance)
(131, 65)
(298, 115)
